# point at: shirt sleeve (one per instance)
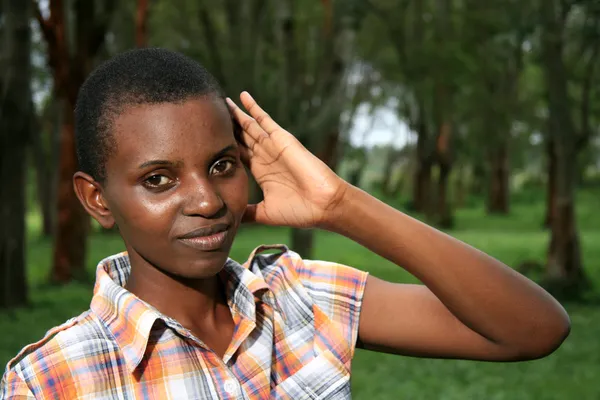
(338, 291)
(13, 387)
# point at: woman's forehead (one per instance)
(177, 131)
(169, 125)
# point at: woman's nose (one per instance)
(201, 199)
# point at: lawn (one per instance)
(571, 372)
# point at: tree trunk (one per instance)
(551, 184)
(564, 254)
(70, 246)
(388, 171)
(498, 196)
(141, 23)
(15, 128)
(479, 180)
(302, 242)
(422, 178)
(422, 185)
(329, 151)
(564, 273)
(444, 216)
(461, 188)
(443, 212)
(43, 184)
(398, 189)
(356, 174)
(442, 108)
(45, 157)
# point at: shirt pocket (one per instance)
(324, 378)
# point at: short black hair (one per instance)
(140, 76)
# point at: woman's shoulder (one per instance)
(59, 345)
(278, 259)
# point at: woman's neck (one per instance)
(197, 304)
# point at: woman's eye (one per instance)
(222, 167)
(157, 180)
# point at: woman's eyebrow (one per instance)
(179, 164)
(225, 150)
(164, 163)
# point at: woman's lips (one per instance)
(206, 243)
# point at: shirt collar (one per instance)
(253, 266)
(130, 320)
(245, 285)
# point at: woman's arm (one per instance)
(472, 306)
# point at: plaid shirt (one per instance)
(296, 325)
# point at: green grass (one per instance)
(571, 372)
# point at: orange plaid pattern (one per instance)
(296, 325)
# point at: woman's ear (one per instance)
(90, 195)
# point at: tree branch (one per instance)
(98, 33)
(54, 32)
(90, 30)
(45, 25)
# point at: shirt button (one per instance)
(230, 386)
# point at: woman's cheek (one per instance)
(237, 194)
(151, 212)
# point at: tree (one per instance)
(580, 23)
(45, 136)
(494, 36)
(15, 127)
(70, 64)
(564, 255)
(408, 34)
(45, 143)
(445, 78)
(141, 23)
(426, 71)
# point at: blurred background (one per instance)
(480, 118)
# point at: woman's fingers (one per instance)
(242, 136)
(248, 124)
(260, 116)
(255, 214)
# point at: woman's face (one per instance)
(175, 185)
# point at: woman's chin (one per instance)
(204, 267)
